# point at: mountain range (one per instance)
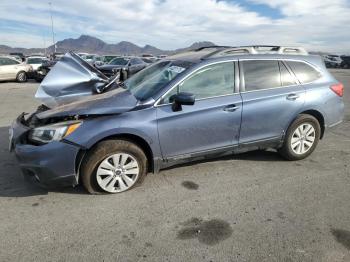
(93, 45)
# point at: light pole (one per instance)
(53, 34)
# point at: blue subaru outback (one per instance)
(108, 134)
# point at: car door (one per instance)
(9, 68)
(271, 98)
(212, 123)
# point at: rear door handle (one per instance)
(231, 108)
(292, 96)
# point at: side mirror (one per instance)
(182, 98)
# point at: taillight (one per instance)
(338, 89)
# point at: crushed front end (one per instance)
(52, 164)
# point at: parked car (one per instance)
(346, 62)
(209, 102)
(150, 57)
(333, 61)
(93, 59)
(45, 68)
(131, 65)
(108, 58)
(12, 69)
(36, 61)
(19, 56)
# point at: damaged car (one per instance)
(205, 103)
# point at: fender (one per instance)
(141, 123)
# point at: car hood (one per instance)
(70, 77)
(115, 101)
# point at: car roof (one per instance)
(224, 53)
(9, 56)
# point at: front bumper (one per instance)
(52, 164)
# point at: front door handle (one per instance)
(292, 97)
(231, 108)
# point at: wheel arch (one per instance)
(319, 116)
(316, 114)
(138, 140)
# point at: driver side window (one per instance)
(210, 81)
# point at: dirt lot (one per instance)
(249, 207)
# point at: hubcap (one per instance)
(21, 77)
(303, 138)
(117, 173)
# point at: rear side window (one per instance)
(304, 72)
(287, 79)
(261, 74)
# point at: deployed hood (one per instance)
(112, 102)
(69, 80)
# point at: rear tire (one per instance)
(21, 77)
(301, 138)
(113, 166)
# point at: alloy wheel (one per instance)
(22, 77)
(303, 138)
(117, 173)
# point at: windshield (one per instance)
(151, 80)
(36, 60)
(119, 61)
(88, 57)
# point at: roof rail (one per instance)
(258, 49)
(211, 46)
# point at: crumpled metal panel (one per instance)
(69, 80)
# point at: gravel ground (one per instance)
(249, 207)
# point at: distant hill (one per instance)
(195, 46)
(93, 45)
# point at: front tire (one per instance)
(301, 138)
(113, 166)
(21, 77)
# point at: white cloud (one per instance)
(175, 23)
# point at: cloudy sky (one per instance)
(170, 24)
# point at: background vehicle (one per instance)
(93, 59)
(332, 61)
(150, 57)
(346, 62)
(18, 56)
(108, 58)
(131, 65)
(12, 69)
(45, 68)
(35, 61)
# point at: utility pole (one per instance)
(53, 34)
(44, 44)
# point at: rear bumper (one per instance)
(52, 164)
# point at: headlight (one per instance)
(56, 132)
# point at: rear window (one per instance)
(304, 72)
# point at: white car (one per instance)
(36, 61)
(12, 69)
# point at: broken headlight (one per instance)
(55, 132)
